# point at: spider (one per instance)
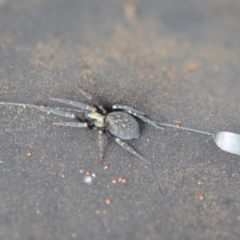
(119, 123)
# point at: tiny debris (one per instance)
(81, 171)
(120, 179)
(114, 181)
(97, 212)
(148, 140)
(178, 126)
(201, 197)
(88, 179)
(106, 167)
(192, 66)
(7, 39)
(30, 154)
(74, 235)
(88, 173)
(124, 180)
(93, 175)
(108, 201)
(130, 11)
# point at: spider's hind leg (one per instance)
(127, 109)
(147, 120)
(101, 141)
(130, 149)
(136, 113)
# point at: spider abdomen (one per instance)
(122, 125)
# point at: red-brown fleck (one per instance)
(130, 11)
(192, 66)
(106, 167)
(120, 179)
(124, 180)
(178, 126)
(8, 40)
(108, 201)
(29, 154)
(114, 181)
(201, 197)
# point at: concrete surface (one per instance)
(175, 60)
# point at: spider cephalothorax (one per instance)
(120, 123)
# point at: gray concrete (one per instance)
(175, 60)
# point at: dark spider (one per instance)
(120, 123)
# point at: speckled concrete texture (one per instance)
(176, 60)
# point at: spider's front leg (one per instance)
(137, 113)
(63, 114)
(91, 98)
(71, 124)
(80, 105)
(54, 111)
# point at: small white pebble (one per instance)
(88, 179)
(74, 235)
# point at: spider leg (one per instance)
(101, 145)
(71, 124)
(75, 104)
(90, 98)
(147, 120)
(130, 149)
(55, 111)
(128, 109)
(137, 114)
